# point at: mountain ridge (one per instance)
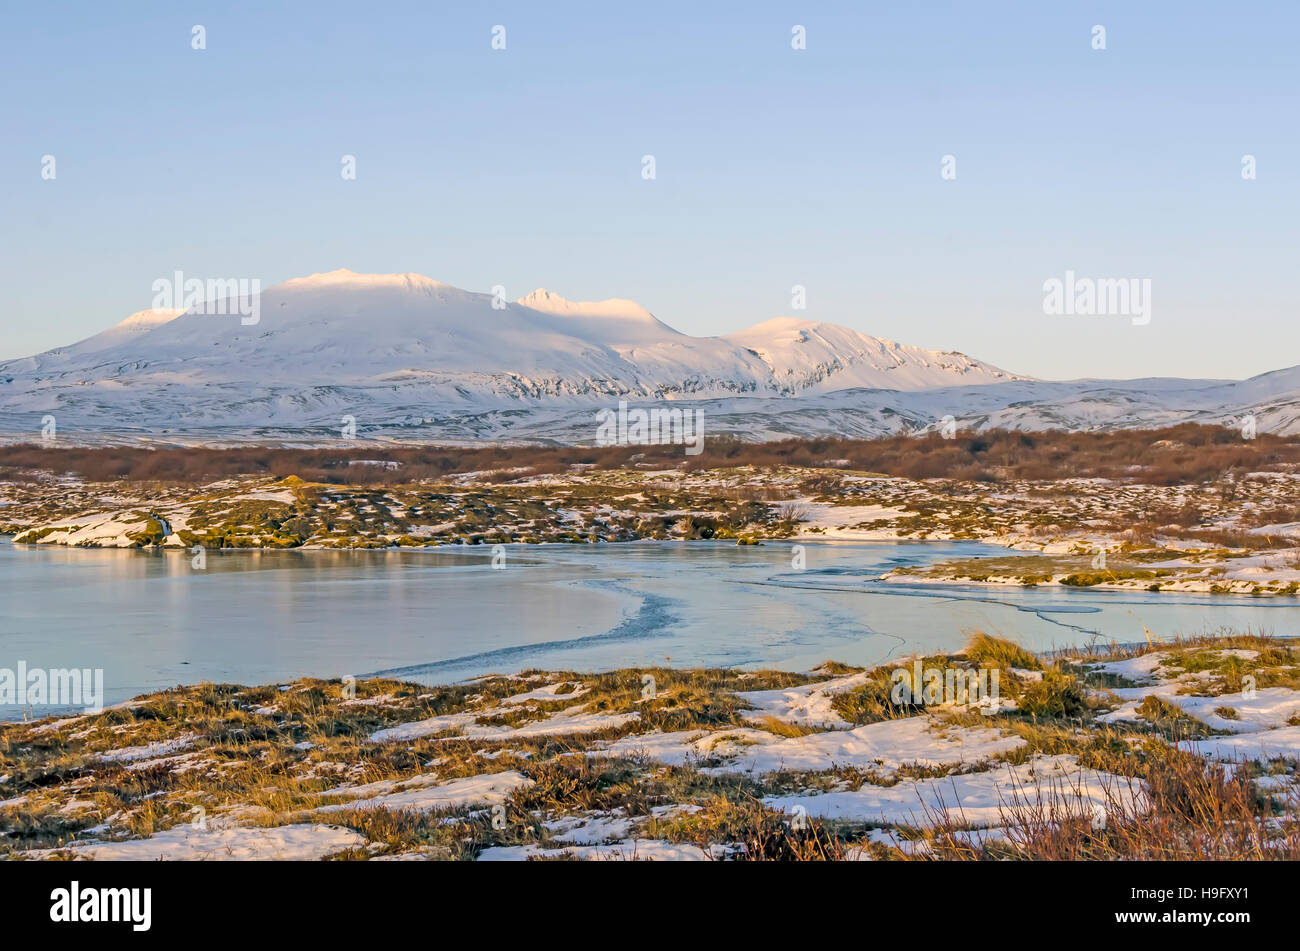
(408, 323)
(420, 357)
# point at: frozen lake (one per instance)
(151, 620)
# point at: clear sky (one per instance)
(774, 166)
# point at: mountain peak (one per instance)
(784, 325)
(342, 277)
(141, 322)
(795, 330)
(548, 302)
(153, 317)
(816, 351)
(541, 296)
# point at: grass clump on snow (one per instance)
(986, 650)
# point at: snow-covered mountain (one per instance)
(138, 323)
(343, 328)
(410, 357)
(807, 356)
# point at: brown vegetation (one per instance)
(1178, 806)
(1179, 454)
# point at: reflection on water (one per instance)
(151, 620)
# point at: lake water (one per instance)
(150, 620)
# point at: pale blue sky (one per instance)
(775, 167)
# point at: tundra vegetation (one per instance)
(1188, 508)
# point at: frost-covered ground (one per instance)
(1112, 755)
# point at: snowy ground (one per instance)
(1235, 536)
(716, 765)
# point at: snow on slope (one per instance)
(404, 340)
(806, 355)
(414, 358)
(138, 323)
(127, 330)
(667, 363)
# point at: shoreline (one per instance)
(907, 575)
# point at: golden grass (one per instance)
(248, 761)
